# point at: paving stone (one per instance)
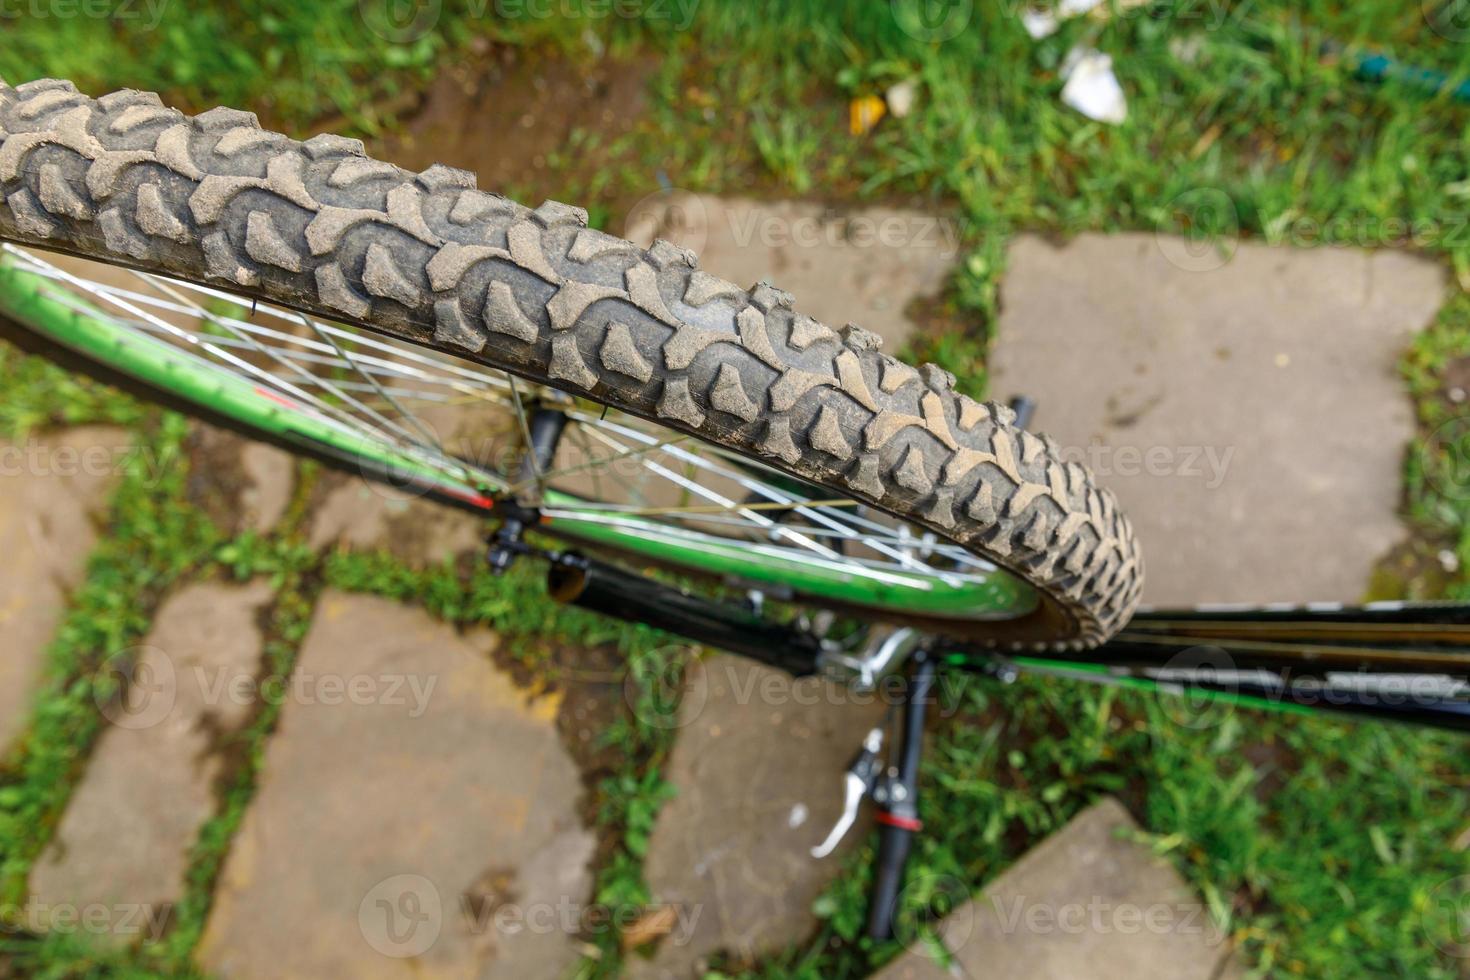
(124, 839)
(864, 265)
(917, 966)
(270, 477)
(1250, 417)
(1086, 902)
(365, 514)
(758, 768)
(425, 827)
(242, 484)
(362, 515)
(53, 490)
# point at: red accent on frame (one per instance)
(902, 823)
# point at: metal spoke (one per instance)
(717, 498)
(72, 303)
(224, 355)
(430, 447)
(409, 416)
(801, 507)
(866, 567)
(599, 463)
(713, 508)
(531, 461)
(466, 378)
(373, 385)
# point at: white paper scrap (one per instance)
(1092, 88)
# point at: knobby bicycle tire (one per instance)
(321, 227)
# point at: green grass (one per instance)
(1318, 844)
(151, 545)
(1290, 829)
(159, 541)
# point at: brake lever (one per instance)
(861, 776)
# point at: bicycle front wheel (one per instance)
(341, 305)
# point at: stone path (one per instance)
(355, 512)
(758, 768)
(861, 264)
(1248, 414)
(418, 816)
(52, 491)
(242, 484)
(124, 840)
(1086, 902)
(365, 516)
(415, 817)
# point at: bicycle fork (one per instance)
(894, 790)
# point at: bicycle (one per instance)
(678, 450)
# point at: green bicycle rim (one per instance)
(984, 595)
